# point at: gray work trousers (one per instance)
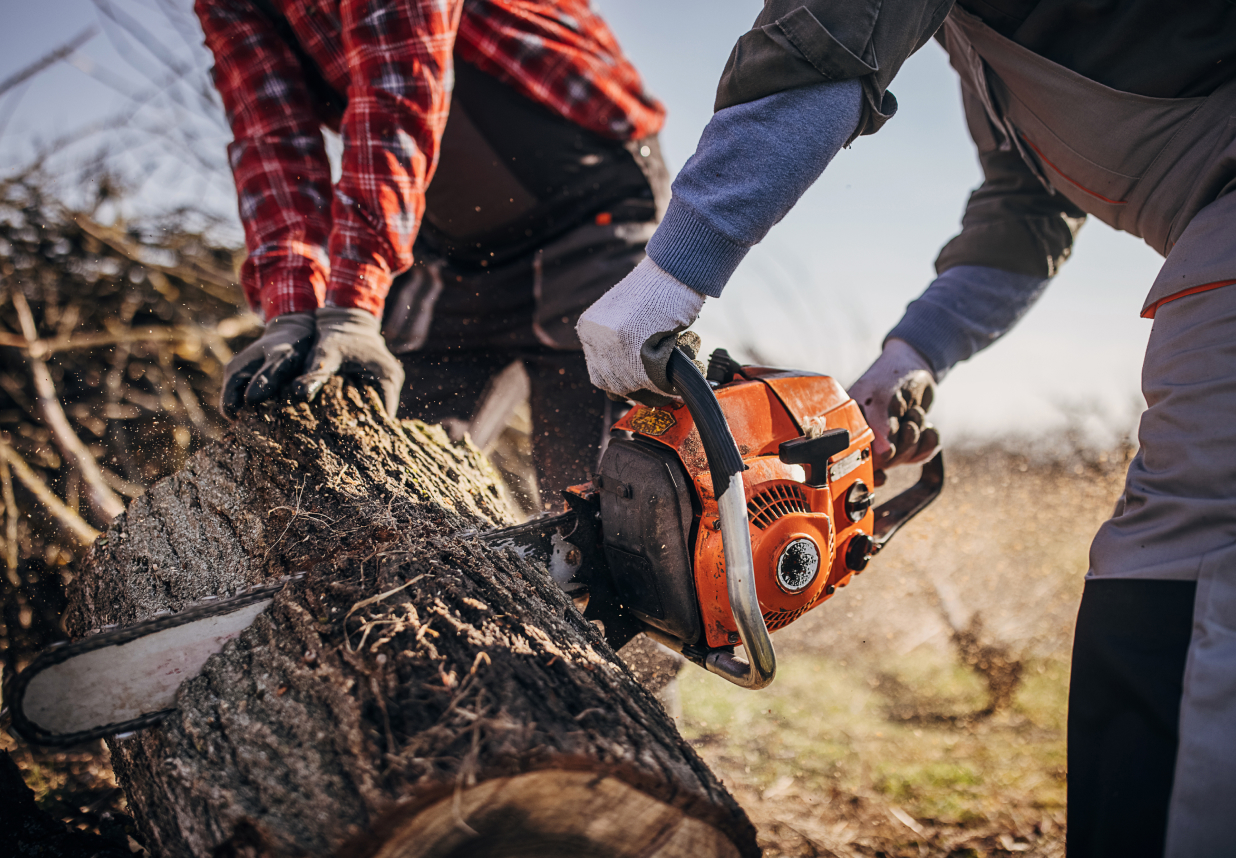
(1176, 521)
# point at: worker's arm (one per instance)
(282, 178)
(283, 185)
(804, 81)
(754, 161)
(1016, 233)
(277, 155)
(398, 91)
(399, 61)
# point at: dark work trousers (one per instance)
(529, 220)
(568, 413)
(1124, 711)
(456, 328)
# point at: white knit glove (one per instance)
(895, 394)
(625, 330)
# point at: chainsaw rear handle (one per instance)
(896, 511)
(725, 464)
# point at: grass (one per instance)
(873, 740)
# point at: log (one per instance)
(414, 694)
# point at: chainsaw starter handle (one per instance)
(726, 466)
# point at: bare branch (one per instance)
(193, 408)
(40, 349)
(106, 502)
(73, 522)
(48, 59)
(216, 282)
(11, 107)
(152, 43)
(10, 531)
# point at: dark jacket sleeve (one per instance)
(799, 42)
(1012, 221)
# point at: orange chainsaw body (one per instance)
(786, 503)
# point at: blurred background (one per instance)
(919, 712)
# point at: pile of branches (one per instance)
(112, 343)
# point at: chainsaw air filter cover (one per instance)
(801, 503)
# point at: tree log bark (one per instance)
(415, 694)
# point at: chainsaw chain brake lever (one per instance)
(726, 466)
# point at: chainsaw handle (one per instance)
(726, 466)
(896, 511)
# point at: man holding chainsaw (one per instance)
(546, 181)
(1117, 110)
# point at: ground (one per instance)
(875, 739)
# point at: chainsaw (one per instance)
(711, 523)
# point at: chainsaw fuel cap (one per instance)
(798, 564)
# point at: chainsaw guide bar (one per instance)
(173, 646)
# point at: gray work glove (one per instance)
(349, 343)
(895, 394)
(629, 332)
(266, 364)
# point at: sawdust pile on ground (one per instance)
(922, 711)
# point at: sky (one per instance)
(819, 293)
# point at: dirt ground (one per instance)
(877, 737)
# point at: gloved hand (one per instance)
(267, 364)
(895, 394)
(629, 332)
(350, 343)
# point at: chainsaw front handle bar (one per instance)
(725, 464)
(896, 511)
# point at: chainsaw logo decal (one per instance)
(652, 421)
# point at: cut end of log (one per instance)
(551, 814)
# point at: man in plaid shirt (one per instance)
(548, 184)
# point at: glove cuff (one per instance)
(336, 318)
(905, 356)
(299, 324)
(690, 247)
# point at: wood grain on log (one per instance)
(414, 695)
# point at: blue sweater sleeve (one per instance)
(964, 310)
(752, 164)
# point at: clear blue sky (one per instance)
(819, 293)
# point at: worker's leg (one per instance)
(570, 421)
(1124, 705)
(1175, 525)
(446, 385)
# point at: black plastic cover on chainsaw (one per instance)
(647, 510)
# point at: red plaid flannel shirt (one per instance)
(311, 244)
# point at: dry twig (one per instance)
(10, 529)
(106, 502)
(48, 59)
(71, 521)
